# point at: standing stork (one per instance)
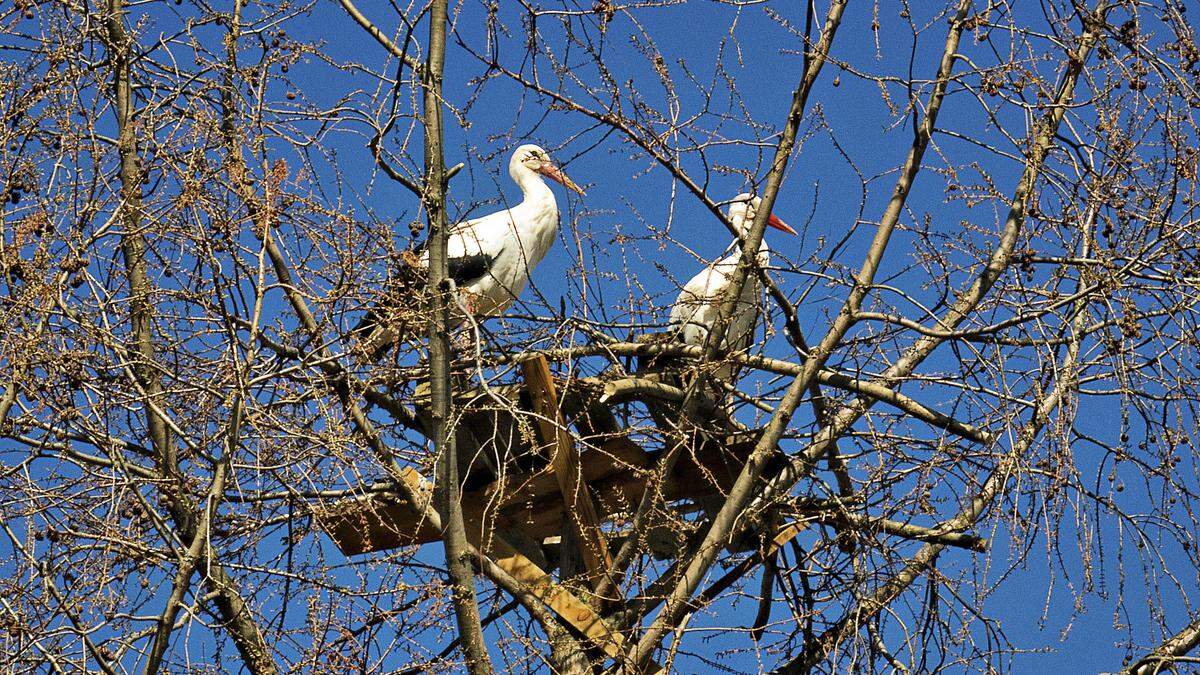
(699, 303)
(490, 258)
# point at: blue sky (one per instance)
(823, 196)
(637, 235)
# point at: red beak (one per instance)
(555, 174)
(778, 224)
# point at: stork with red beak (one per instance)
(491, 258)
(699, 303)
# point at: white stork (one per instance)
(699, 303)
(490, 258)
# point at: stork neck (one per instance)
(735, 247)
(533, 187)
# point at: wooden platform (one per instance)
(533, 459)
(616, 473)
(550, 479)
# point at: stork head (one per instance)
(742, 210)
(530, 157)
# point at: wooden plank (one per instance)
(574, 611)
(533, 503)
(382, 521)
(376, 522)
(486, 431)
(370, 520)
(564, 458)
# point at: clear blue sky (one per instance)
(822, 196)
(645, 236)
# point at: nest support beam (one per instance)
(548, 491)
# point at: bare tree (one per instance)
(978, 358)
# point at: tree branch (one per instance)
(744, 488)
(448, 497)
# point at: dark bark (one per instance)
(448, 489)
(231, 607)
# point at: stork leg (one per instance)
(465, 337)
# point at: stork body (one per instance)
(698, 307)
(490, 258)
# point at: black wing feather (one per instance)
(376, 339)
(469, 268)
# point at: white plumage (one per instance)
(490, 258)
(699, 303)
